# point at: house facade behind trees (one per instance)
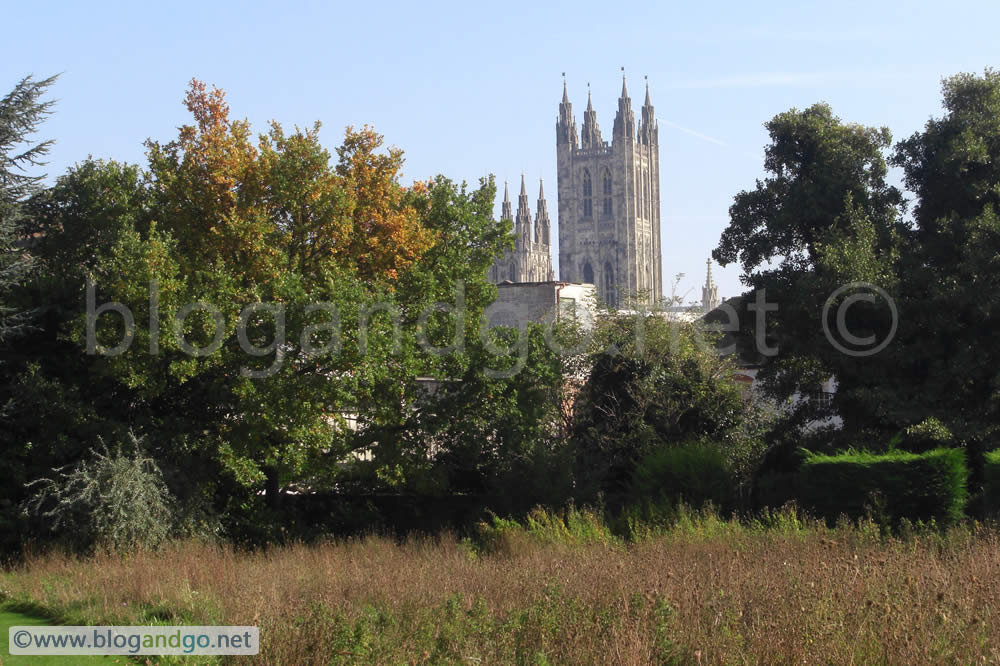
(518, 304)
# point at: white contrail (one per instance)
(688, 130)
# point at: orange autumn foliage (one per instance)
(276, 204)
(387, 233)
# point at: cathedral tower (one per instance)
(609, 202)
(531, 259)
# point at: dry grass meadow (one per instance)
(704, 591)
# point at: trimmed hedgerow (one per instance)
(891, 486)
(694, 473)
(991, 482)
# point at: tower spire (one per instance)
(710, 292)
(565, 124)
(505, 210)
(522, 223)
(590, 136)
(647, 124)
(542, 224)
(625, 119)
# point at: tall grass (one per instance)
(563, 588)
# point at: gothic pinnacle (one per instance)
(648, 103)
(624, 87)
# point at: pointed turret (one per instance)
(647, 126)
(625, 119)
(590, 135)
(565, 124)
(710, 292)
(522, 223)
(542, 224)
(505, 210)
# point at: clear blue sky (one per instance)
(472, 88)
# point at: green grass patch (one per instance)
(12, 618)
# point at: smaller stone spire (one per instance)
(522, 223)
(625, 119)
(542, 224)
(505, 210)
(590, 136)
(648, 133)
(565, 124)
(710, 292)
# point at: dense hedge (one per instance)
(693, 473)
(895, 485)
(991, 483)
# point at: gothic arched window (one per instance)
(609, 284)
(588, 273)
(513, 272)
(607, 193)
(642, 196)
(588, 192)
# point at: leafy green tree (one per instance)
(655, 383)
(794, 240)
(950, 291)
(66, 398)
(21, 111)
(237, 223)
(823, 218)
(495, 430)
(344, 262)
(421, 433)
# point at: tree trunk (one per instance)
(272, 488)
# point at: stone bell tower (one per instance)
(609, 202)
